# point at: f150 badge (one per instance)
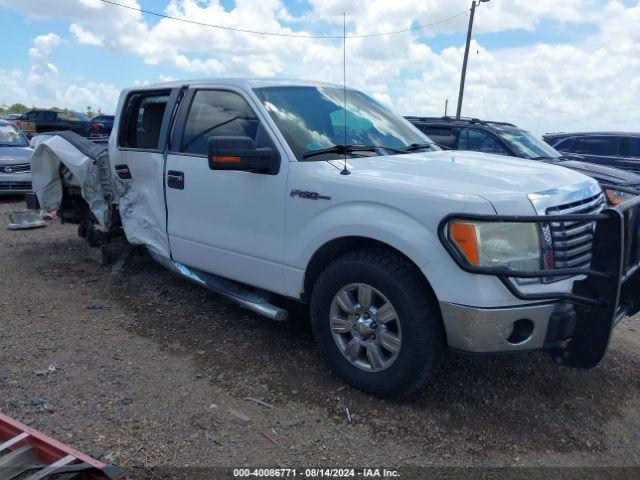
(308, 195)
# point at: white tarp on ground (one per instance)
(80, 157)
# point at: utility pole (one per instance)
(463, 75)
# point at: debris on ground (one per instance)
(268, 437)
(210, 439)
(94, 306)
(348, 414)
(120, 263)
(290, 423)
(259, 402)
(242, 418)
(25, 220)
(46, 371)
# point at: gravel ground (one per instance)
(141, 368)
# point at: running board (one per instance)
(256, 301)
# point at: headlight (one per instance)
(498, 244)
(616, 197)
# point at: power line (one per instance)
(275, 34)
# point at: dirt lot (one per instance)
(145, 369)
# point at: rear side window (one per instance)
(634, 146)
(563, 145)
(141, 123)
(47, 116)
(216, 113)
(603, 145)
(478, 141)
(441, 135)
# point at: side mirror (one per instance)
(240, 153)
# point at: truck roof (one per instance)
(247, 83)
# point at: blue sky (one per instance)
(545, 64)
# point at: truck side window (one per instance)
(48, 116)
(217, 113)
(564, 145)
(605, 145)
(478, 141)
(634, 146)
(440, 135)
(140, 127)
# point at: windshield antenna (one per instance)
(345, 170)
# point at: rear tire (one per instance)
(377, 324)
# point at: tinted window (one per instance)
(142, 121)
(47, 116)
(71, 117)
(528, 146)
(478, 141)
(440, 135)
(608, 145)
(216, 113)
(634, 146)
(31, 116)
(563, 145)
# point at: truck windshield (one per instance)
(10, 136)
(528, 146)
(313, 118)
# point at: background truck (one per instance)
(258, 189)
(507, 139)
(44, 121)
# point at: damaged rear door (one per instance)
(138, 164)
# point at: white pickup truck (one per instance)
(256, 188)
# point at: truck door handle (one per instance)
(123, 172)
(175, 179)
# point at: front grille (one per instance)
(15, 186)
(572, 241)
(15, 168)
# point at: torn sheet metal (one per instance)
(87, 167)
(141, 225)
(24, 220)
(81, 171)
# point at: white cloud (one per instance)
(43, 45)
(84, 36)
(590, 84)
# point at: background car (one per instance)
(42, 121)
(106, 121)
(15, 160)
(507, 139)
(12, 117)
(614, 149)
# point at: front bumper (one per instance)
(15, 184)
(575, 327)
(491, 330)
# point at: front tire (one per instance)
(376, 323)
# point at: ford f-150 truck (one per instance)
(256, 188)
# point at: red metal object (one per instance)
(48, 450)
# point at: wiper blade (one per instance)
(419, 146)
(341, 149)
